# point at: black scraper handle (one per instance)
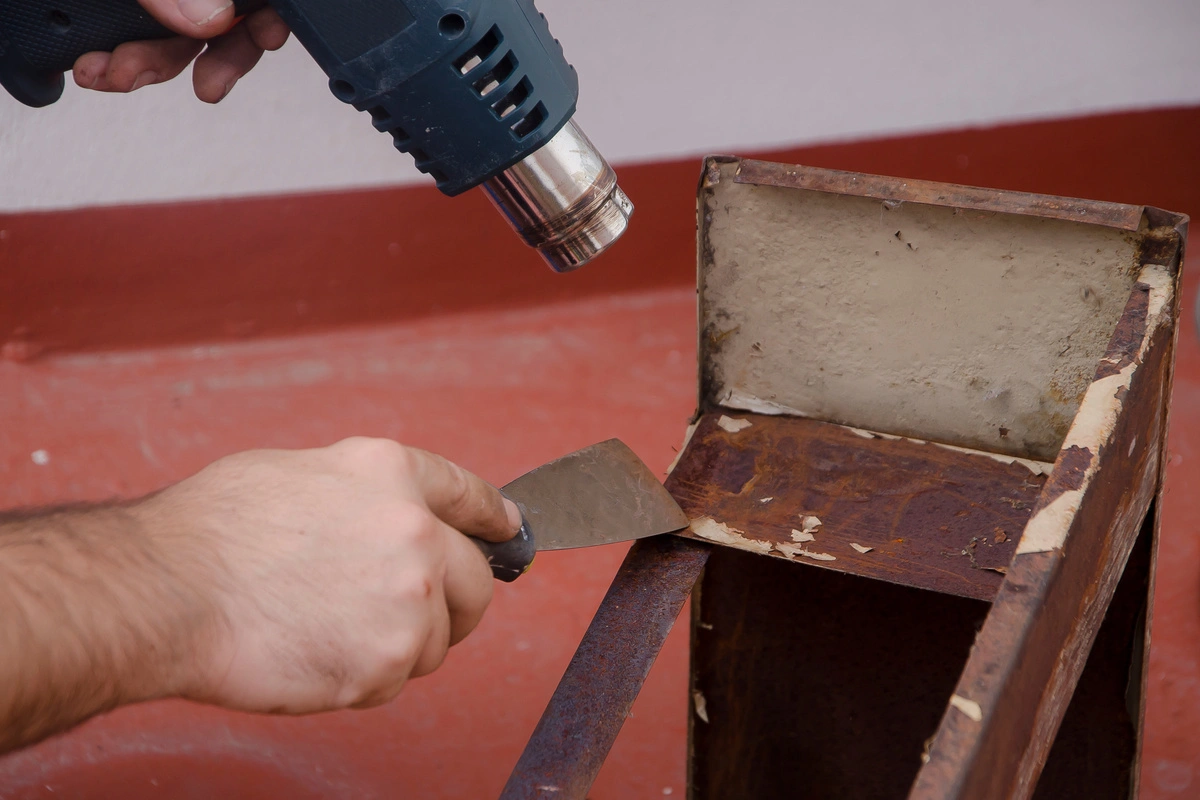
(509, 560)
(41, 39)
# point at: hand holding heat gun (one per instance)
(478, 92)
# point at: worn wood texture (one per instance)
(818, 684)
(795, 176)
(995, 736)
(1094, 754)
(815, 683)
(595, 695)
(933, 517)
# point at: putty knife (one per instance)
(598, 495)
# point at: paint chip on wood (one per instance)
(802, 536)
(766, 499)
(968, 707)
(793, 550)
(708, 528)
(860, 548)
(733, 425)
(809, 523)
(701, 705)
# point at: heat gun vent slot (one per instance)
(496, 75)
(478, 52)
(530, 122)
(400, 138)
(381, 118)
(513, 100)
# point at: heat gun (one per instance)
(478, 92)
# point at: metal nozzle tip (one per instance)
(563, 200)
(591, 233)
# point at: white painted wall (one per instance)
(659, 78)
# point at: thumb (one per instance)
(198, 19)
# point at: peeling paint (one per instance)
(1093, 426)
(733, 425)
(701, 705)
(1036, 467)
(802, 536)
(793, 550)
(1161, 284)
(1047, 530)
(687, 438)
(708, 528)
(809, 523)
(766, 499)
(968, 707)
(860, 548)
(744, 401)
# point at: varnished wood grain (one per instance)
(933, 517)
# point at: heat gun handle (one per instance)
(510, 560)
(41, 39)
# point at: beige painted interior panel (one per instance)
(976, 329)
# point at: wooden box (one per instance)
(931, 434)
(921, 480)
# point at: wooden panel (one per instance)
(838, 696)
(995, 736)
(955, 322)
(816, 684)
(1094, 754)
(933, 517)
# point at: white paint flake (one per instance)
(860, 548)
(968, 707)
(744, 401)
(701, 705)
(733, 425)
(793, 550)
(802, 536)
(687, 438)
(809, 523)
(708, 528)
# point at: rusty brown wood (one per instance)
(819, 684)
(932, 517)
(1027, 659)
(587, 710)
(793, 176)
(815, 683)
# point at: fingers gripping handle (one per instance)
(41, 39)
(509, 560)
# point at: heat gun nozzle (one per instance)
(563, 200)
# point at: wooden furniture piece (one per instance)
(921, 480)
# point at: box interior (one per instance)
(974, 328)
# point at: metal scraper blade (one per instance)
(598, 495)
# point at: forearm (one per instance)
(271, 581)
(93, 614)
